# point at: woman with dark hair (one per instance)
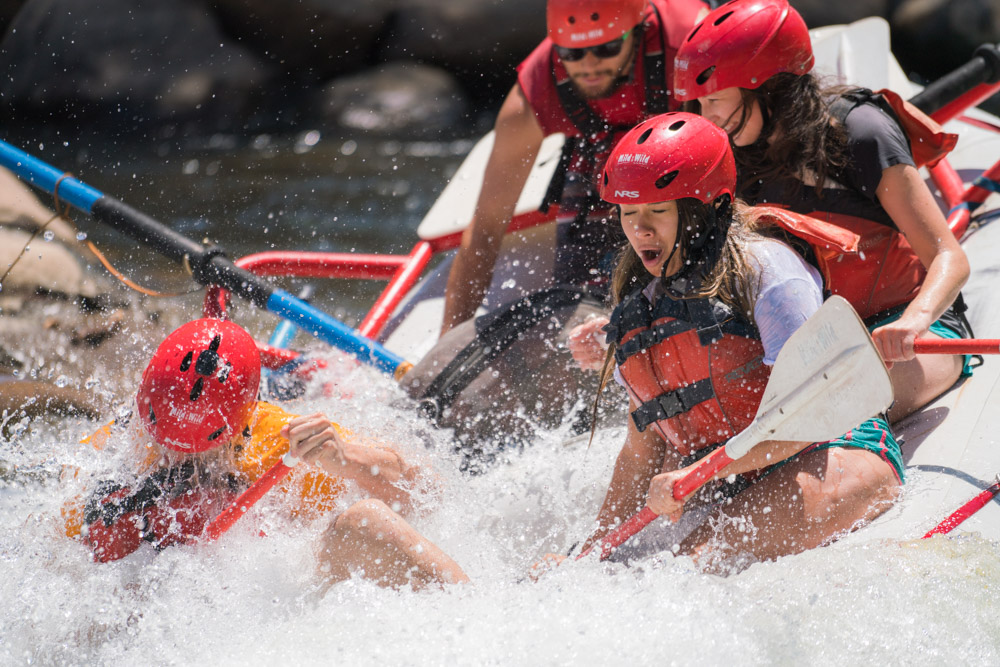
(847, 156)
(706, 297)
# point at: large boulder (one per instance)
(137, 60)
(394, 98)
(51, 261)
(310, 40)
(479, 41)
(934, 37)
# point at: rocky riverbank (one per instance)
(412, 66)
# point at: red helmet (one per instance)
(670, 156)
(741, 44)
(579, 23)
(200, 387)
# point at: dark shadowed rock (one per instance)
(934, 37)
(480, 41)
(397, 97)
(8, 10)
(311, 40)
(141, 60)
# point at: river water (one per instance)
(248, 599)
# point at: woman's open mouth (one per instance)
(650, 256)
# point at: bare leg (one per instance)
(804, 504)
(372, 540)
(917, 382)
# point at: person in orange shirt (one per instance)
(201, 437)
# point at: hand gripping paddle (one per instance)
(827, 379)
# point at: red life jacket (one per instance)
(885, 273)
(694, 367)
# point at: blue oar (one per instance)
(208, 264)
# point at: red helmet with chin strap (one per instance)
(741, 44)
(200, 387)
(580, 23)
(671, 156)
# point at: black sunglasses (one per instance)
(602, 51)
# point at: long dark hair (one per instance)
(798, 137)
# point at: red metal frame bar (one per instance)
(402, 280)
(522, 221)
(962, 102)
(402, 272)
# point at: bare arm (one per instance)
(910, 204)
(661, 489)
(379, 471)
(518, 139)
(642, 457)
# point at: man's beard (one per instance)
(591, 94)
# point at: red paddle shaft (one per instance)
(238, 507)
(956, 346)
(965, 511)
(687, 485)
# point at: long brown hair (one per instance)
(798, 134)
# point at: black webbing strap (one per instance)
(672, 403)
(650, 337)
(496, 332)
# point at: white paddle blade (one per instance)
(827, 379)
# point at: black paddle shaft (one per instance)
(208, 264)
(984, 67)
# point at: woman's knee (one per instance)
(363, 518)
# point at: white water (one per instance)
(253, 600)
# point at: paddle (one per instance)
(827, 379)
(956, 346)
(965, 511)
(208, 264)
(227, 517)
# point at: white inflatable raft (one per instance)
(950, 447)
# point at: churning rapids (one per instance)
(252, 599)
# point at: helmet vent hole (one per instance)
(224, 373)
(666, 179)
(572, 20)
(605, 179)
(186, 362)
(642, 137)
(199, 384)
(152, 416)
(694, 32)
(704, 76)
(595, 16)
(214, 345)
(722, 18)
(216, 434)
(676, 126)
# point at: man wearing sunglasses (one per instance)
(605, 66)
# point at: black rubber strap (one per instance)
(498, 332)
(672, 403)
(650, 337)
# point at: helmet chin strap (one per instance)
(704, 252)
